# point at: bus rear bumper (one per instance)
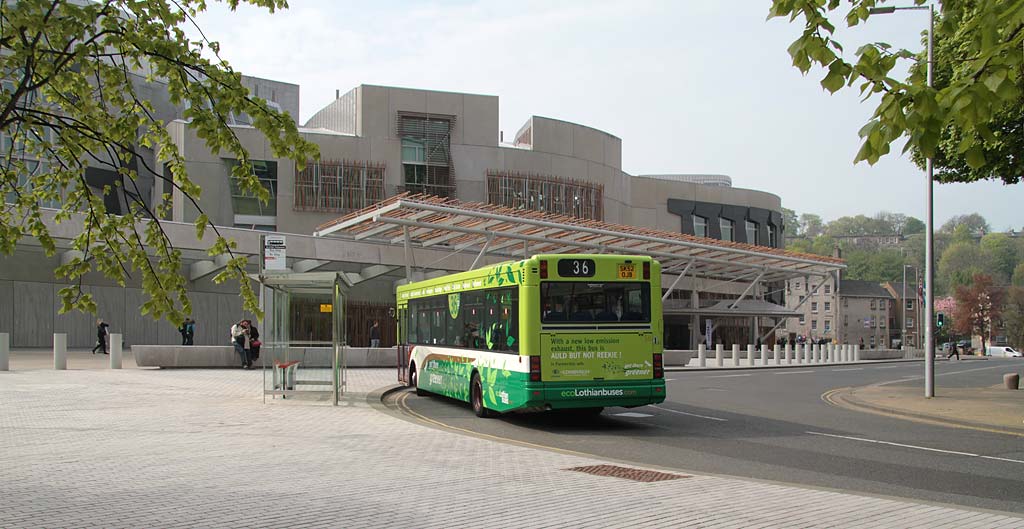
(577, 395)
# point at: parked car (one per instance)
(1002, 350)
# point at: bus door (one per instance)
(403, 347)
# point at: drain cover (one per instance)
(635, 474)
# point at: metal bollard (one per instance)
(764, 354)
(718, 354)
(702, 355)
(735, 355)
(750, 354)
(775, 354)
(115, 351)
(5, 351)
(60, 351)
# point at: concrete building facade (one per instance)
(376, 142)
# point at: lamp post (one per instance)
(929, 242)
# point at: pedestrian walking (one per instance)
(101, 336)
(183, 330)
(375, 334)
(239, 338)
(953, 351)
(190, 331)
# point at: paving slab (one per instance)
(169, 448)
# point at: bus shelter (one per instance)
(428, 222)
(292, 367)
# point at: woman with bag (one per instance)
(254, 342)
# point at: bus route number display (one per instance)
(576, 267)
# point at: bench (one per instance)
(284, 375)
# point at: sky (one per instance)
(690, 86)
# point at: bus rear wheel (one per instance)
(476, 398)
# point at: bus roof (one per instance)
(499, 274)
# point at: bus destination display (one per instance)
(576, 267)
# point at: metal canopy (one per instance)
(429, 221)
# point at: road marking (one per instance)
(889, 367)
(632, 414)
(851, 369)
(670, 380)
(728, 376)
(890, 443)
(794, 372)
(691, 414)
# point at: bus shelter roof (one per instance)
(430, 222)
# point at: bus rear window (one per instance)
(596, 302)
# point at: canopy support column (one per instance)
(483, 250)
(676, 282)
(747, 291)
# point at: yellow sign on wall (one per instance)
(326, 307)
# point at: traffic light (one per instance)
(940, 320)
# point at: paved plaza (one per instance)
(93, 447)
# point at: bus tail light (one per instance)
(534, 369)
(659, 368)
(543, 269)
(647, 270)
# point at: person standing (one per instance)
(190, 331)
(239, 337)
(101, 336)
(375, 334)
(183, 330)
(254, 342)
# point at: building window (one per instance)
(796, 285)
(700, 226)
(426, 153)
(910, 323)
(801, 319)
(814, 325)
(773, 236)
(547, 194)
(248, 209)
(727, 229)
(828, 306)
(828, 288)
(846, 320)
(814, 306)
(338, 186)
(802, 298)
(753, 234)
(828, 325)
(910, 305)
(846, 302)
(872, 304)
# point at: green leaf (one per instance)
(975, 157)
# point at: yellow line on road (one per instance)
(400, 401)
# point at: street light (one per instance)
(929, 246)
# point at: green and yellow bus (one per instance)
(570, 331)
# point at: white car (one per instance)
(1002, 350)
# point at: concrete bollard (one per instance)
(856, 353)
(810, 351)
(750, 354)
(115, 351)
(764, 354)
(1011, 381)
(702, 355)
(718, 354)
(60, 351)
(5, 351)
(789, 353)
(735, 355)
(775, 354)
(849, 352)
(799, 356)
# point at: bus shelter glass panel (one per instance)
(302, 350)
